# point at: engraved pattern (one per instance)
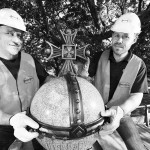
(80, 144)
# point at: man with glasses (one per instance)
(20, 78)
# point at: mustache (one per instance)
(17, 44)
(118, 44)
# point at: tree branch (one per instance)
(140, 6)
(93, 12)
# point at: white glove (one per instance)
(19, 122)
(115, 113)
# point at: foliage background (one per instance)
(92, 18)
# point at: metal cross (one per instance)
(69, 52)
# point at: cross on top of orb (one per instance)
(68, 52)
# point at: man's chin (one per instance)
(118, 48)
(118, 52)
(15, 51)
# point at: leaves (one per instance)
(45, 18)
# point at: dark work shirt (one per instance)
(41, 73)
(14, 65)
(116, 70)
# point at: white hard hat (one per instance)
(11, 18)
(127, 23)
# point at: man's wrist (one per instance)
(10, 119)
(121, 111)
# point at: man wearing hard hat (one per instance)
(121, 78)
(20, 76)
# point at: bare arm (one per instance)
(132, 102)
(117, 112)
(4, 118)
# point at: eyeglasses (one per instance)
(20, 35)
(124, 37)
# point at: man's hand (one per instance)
(85, 68)
(81, 68)
(19, 122)
(115, 113)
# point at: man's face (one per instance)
(10, 41)
(121, 42)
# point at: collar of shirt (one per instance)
(127, 58)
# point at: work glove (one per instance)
(19, 122)
(115, 113)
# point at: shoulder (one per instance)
(140, 83)
(142, 63)
(25, 54)
(26, 57)
(29, 56)
(143, 66)
(135, 57)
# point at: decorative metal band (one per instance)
(63, 133)
(76, 107)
